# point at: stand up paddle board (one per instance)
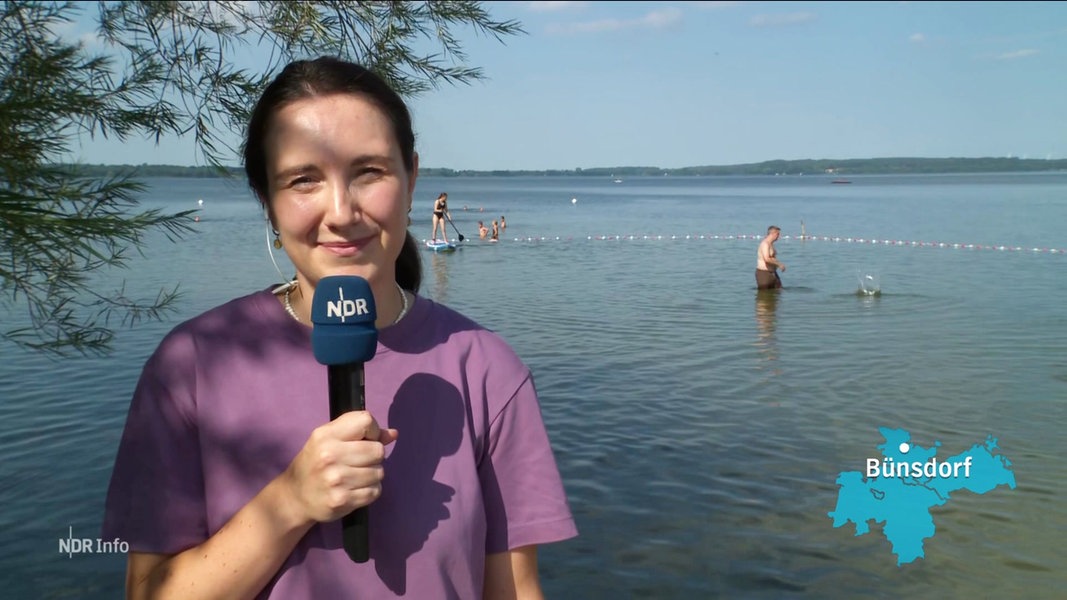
(440, 246)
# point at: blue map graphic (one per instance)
(903, 503)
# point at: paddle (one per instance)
(449, 219)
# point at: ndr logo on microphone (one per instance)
(73, 545)
(346, 308)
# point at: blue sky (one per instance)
(674, 84)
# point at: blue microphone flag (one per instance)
(342, 318)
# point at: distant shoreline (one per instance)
(843, 167)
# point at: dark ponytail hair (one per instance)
(323, 76)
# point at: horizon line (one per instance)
(719, 166)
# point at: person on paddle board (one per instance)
(440, 213)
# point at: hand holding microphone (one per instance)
(340, 467)
(347, 452)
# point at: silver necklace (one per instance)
(288, 305)
(403, 306)
(292, 313)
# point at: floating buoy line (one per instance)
(801, 238)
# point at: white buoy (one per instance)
(574, 201)
(200, 202)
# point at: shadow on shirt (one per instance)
(429, 413)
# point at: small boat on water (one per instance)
(841, 181)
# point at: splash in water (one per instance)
(869, 286)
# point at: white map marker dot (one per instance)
(904, 447)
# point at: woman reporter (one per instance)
(230, 478)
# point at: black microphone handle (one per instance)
(347, 394)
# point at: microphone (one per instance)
(343, 337)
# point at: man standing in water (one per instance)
(767, 262)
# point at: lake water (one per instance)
(699, 426)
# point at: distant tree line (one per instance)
(881, 166)
(146, 170)
(852, 166)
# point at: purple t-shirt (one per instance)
(229, 398)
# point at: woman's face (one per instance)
(338, 190)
